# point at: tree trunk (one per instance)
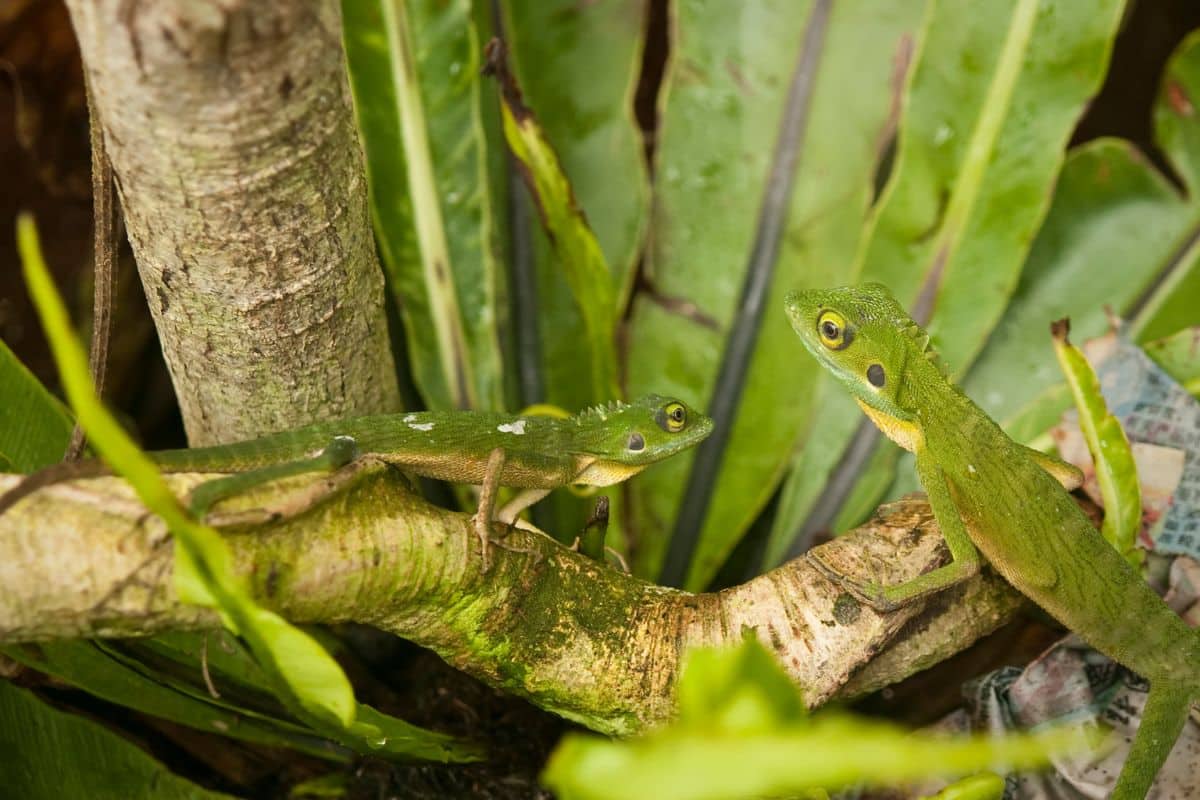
(242, 183)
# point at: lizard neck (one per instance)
(906, 434)
(596, 471)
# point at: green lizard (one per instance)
(535, 454)
(991, 493)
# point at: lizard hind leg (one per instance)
(340, 451)
(1166, 711)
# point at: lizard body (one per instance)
(598, 447)
(996, 496)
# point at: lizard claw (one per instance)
(868, 592)
(483, 531)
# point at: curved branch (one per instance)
(242, 183)
(576, 638)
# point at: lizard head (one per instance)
(857, 332)
(639, 433)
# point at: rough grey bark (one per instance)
(584, 641)
(241, 178)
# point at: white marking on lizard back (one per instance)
(427, 426)
(517, 428)
(409, 418)
(971, 468)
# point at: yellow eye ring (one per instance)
(833, 331)
(672, 417)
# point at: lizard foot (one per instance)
(869, 592)
(483, 531)
(512, 548)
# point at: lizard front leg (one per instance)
(487, 503)
(964, 563)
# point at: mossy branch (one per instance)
(576, 638)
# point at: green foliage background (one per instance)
(933, 158)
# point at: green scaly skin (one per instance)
(995, 496)
(597, 447)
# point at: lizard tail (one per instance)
(55, 473)
(1166, 711)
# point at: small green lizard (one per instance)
(535, 454)
(991, 493)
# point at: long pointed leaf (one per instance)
(1116, 471)
(575, 245)
(1118, 234)
(414, 70)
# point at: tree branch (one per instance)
(576, 638)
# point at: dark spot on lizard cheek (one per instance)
(876, 376)
(286, 86)
(272, 580)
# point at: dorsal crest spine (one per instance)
(924, 343)
(601, 410)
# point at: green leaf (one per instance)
(993, 98)
(47, 754)
(722, 102)
(556, 49)
(578, 65)
(1116, 471)
(1176, 126)
(578, 252)
(737, 689)
(742, 733)
(1116, 225)
(1179, 356)
(1097, 247)
(414, 71)
(34, 425)
(306, 676)
(97, 669)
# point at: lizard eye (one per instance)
(637, 442)
(834, 333)
(676, 417)
(672, 417)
